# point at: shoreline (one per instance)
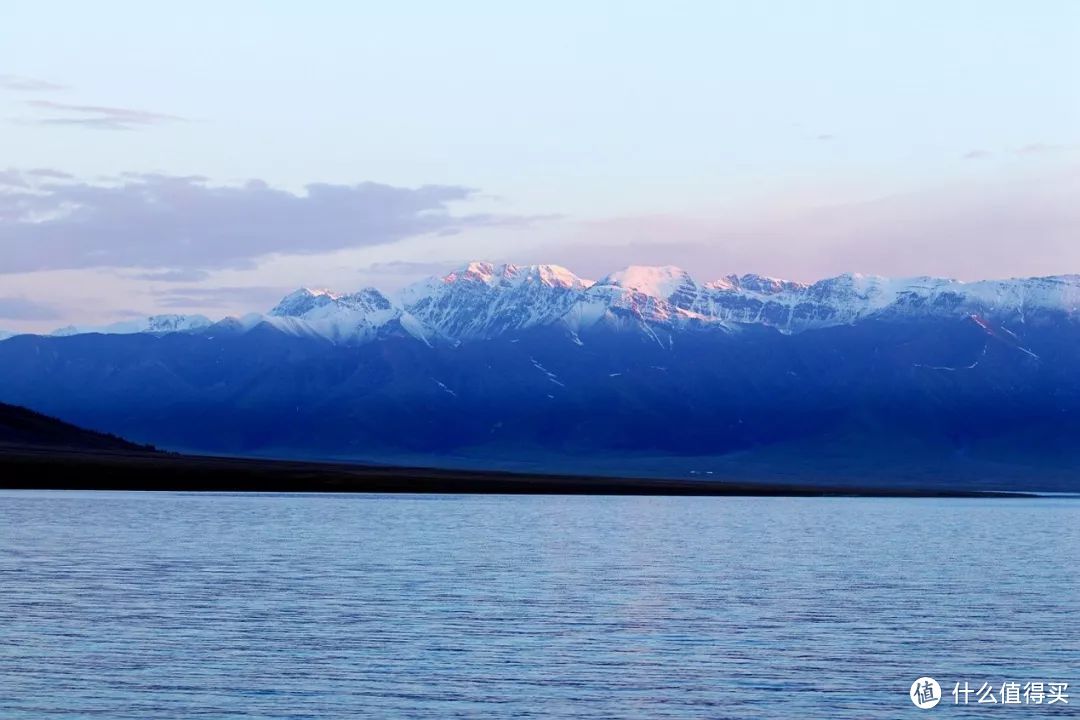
(24, 468)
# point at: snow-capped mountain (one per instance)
(671, 295)
(668, 282)
(637, 299)
(650, 362)
(153, 324)
(482, 300)
(355, 317)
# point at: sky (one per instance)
(209, 157)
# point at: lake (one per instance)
(148, 605)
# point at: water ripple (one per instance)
(139, 605)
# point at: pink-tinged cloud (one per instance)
(21, 83)
(979, 230)
(259, 296)
(1039, 149)
(170, 224)
(98, 116)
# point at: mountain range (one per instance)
(646, 370)
(485, 301)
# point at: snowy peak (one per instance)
(508, 275)
(482, 300)
(344, 318)
(152, 324)
(794, 307)
(869, 291)
(665, 282)
(554, 276)
(302, 301)
(668, 295)
(623, 308)
(752, 283)
(320, 304)
(637, 297)
(175, 323)
(366, 300)
(476, 272)
(661, 282)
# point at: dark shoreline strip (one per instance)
(50, 469)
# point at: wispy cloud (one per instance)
(188, 275)
(1039, 148)
(50, 174)
(13, 179)
(218, 297)
(164, 223)
(409, 267)
(99, 117)
(20, 308)
(970, 230)
(21, 83)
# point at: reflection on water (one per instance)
(138, 605)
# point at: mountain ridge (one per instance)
(504, 366)
(877, 396)
(23, 428)
(481, 300)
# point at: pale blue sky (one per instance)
(715, 128)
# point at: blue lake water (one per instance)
(144, 605)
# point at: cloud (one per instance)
(410, 267)
(970, 230)
(99, 117)
(597, 251)
(50, 174)
(157, 222)
(13, 179)
(189, 275)
(21, 83)
(1039, 149)
(218, 297)
(20, 308)
(124, 313)
(1030, 149)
